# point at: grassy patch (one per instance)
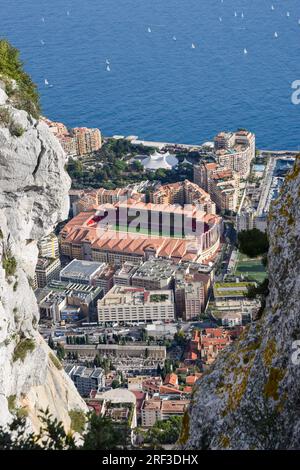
(22, 348)
(5, 118)
(11, 67)
(55, 361)
(11, 402)
(78, 420)
(9, 263)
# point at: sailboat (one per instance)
(43, 19)
(220, 19)
(107, 68)
(174, 38)
(193, 46)
(107, 62)
(47, 84)
(275, 35)
(245, 51)
(149, 30)
(272, 7)
(235, 14)
(287, 13)
(242, 15)
(42, 42)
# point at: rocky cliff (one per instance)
(250, 397)
(33, 199)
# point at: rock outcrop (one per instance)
(33, 199)
(250, 397)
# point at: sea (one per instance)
(129, 67)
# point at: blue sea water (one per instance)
(159, 88)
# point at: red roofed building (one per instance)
(171, 380)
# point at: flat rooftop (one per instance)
(80, 269)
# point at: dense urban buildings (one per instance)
(133, 305)
(221, 183)
(235, 150)
(135, 231)
(184, 193)
(78, 141)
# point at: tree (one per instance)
(164, 432)
(51, 342)
(60, 351)
(253, 242)
(100, 434)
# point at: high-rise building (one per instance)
(221, 183)
(87, 140)
(48, 246)
(46, 270)
(235, 150)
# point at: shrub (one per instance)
(22, 412)
(16, 130)
(55, 361)
(78, 420)
(9, 263)
(11, 402)
(26, 95)
(5, 117)
(22, 348)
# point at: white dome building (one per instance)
(158, 160)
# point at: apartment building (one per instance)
(123, 276)
(86, 379)
(46, 270)
(221, 183)
(235, 150)
(133, 305)
(48, 246)
(154, 410)
(87, 140)
(154, 274)
(182, 193)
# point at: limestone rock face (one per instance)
(33, 199)
(250, 398)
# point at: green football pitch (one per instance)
(250, 268)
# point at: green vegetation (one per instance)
(9, 263)
(100, 434)
(158, 297)
(253, 242)
(25, 95)
(60, 351)
(113, 166)
(5, 117)
(78, 420)
(16, 130)
(23, 347)
(11, 402)
(55, 361)
(252, 269)
(164, 432)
